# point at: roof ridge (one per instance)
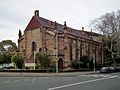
(46, 22)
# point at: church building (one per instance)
(63, 44)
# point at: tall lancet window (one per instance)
(33, 46)
(71, 56)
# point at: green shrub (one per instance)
(42, 60)
(18, 60)
(83, 62)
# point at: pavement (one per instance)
(66, 74)
(83, 81)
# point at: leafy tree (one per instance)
(5, 58)
(1, 59)
(109, 26)
(7, 49)
(2, 49)
(83, 62)
(76, 64)
(18, 60)
(43, 60)
(8, 45)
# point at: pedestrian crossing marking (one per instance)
(96, 75)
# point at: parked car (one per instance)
(1, 67)
(107, 69)
(117, 69)
(111, 69)
(11, 66)
(7, 66)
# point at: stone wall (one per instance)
(30, 36)
(70, 47)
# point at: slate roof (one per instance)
(37, 22)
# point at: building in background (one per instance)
(42, 35)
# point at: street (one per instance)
(109, 81)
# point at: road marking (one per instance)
(34, 79)
(26, 79)
(47, 77)
(79, 83)
(6, 81)
(16, 80)
(41, 78)
(101, 75)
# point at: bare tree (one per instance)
(109, 26)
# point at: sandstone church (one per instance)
(63, 44)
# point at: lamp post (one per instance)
(34, 59)
(56, 52)
(94, 61)
(93, 52)
(34, 53)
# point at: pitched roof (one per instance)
(37, 22)
(93, 33)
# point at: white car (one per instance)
(1, 67)
(7, 66)
(107, 69)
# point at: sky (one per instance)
(16, 14)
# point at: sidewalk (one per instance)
(67, 74)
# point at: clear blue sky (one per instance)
(15, 14)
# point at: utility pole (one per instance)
(34, 59)
(94, 61)
(56, 45)
(93, 52)
(34, 51)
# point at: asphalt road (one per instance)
(80, 82)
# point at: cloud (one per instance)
(16, 14)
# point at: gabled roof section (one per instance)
(37, 22)
(33, 24)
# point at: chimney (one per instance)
(91, 30)
(55, 25)
(36, 13)
(65, 26)
(82, 28)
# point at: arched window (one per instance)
(33, 46)
(70, 47)
(40, 49)
(81, 50)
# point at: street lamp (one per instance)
(56, 52)
(93, 52)
(56, 45)
(34, 49)
(34, 59)
(94, 62)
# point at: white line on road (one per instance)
(16, 80)
(34, 79)
(55, 88)
(26, 79)
(101, 75)
(6, 81)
